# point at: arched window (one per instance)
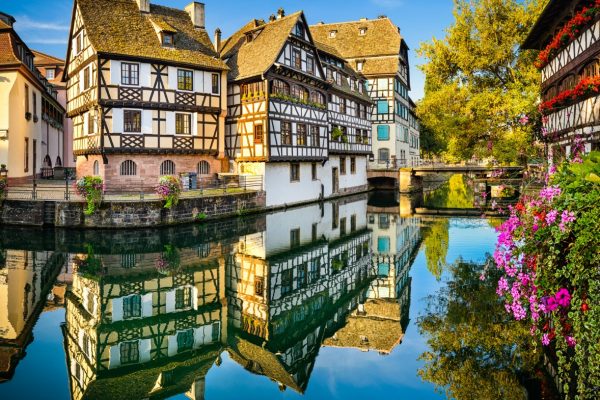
(591, 69)
(167, 167)
(96, 171)
(47, 161)
(58, 162)
(299, 92)
(280, 87)
(203, 168)
(317, 97)
(567, 83)
(128, 168)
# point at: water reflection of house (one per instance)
(26, 278)
(380, 322)
(153, 318)
(285, 284)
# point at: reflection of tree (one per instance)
(477, 349)
(436, 246)
(456, 193)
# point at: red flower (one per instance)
(585, 307)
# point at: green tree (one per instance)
(477, 351)
(436, 246)
(479, 84)
(432, 143)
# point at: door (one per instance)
(335, 180)
(34, 157)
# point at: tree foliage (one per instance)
(476, 350)
(479, 84)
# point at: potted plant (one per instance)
(35, 119)
(27, 115)
(169, 189)
(91, 189)
(336, 133)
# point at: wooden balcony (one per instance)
(585, 113)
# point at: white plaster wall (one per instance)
(281, 191)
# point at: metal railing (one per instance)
(201, 187)
(391, 163)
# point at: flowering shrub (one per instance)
(548, 253)
(169, 189)
(568, 33)
(168, 261)
(91, 189)
(88, 265)
(586, 87)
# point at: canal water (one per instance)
(355, 298)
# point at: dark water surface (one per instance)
(317, 302)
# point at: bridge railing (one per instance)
(391, 163)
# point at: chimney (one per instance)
(280, 13)
(143, 5)
(217, 40)
(7, 19)
(196, 11)
(271, 17)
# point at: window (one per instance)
(362, 31)
(382, 107)
(185, 79)
(87, 77)
(132, 306)
(132, 121)
(342, 226)
(353, 165)
(317, 97)
(26, 155)
(294, 172)
(297, 59)
(342, 106)
(183, 298)
(50, 73)
(384, 155)
(280, 87)
(383, 244)
(302, 277)
(259, 286)
(342, 165)
(359, 65)
(215, 83)
(335, 220)
(203, 168)
(295, 237)
(332, 34)
(34, 103)
(130, 74)
(353, 223)
(313, 171)
(130, 352)
(167, 39)
(27, 98)
(286, 282)
(299, 92)
(96, 169)
(128, 168)
(183, 124)
(299, 30)
(258, 134)
(383, 132)
(86, 344)
(314, 134)
(301, 134)
(167, 167)
(185, 340)
(314, 232)
(286, 132)
(310, 65)
(128, 260)
(79, 43)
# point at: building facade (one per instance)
(572, 126)
(376, 49)
(52, 69)
(281, 115)
(146, 92)
(32, 138)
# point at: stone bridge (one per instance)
(410, 180)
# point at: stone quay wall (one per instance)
(129, 214)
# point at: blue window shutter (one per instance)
(383, 132)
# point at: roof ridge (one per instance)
(47, 55)
(352, 22)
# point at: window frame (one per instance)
(294, 172)
(128, 67)
(313, 171)
(126, 355)
(258, 133)
(286, 134)
(310, 65)
(183, 120)
(297, 58)
(383, 133)
(342, 165)
(353, 165)
(185, 79)
(183, 298)
(315, 134)
(128, 166)
(125, 123)
(216, 88)
(132, 306)
(301, 136)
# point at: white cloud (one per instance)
(46, 41)
(26, 23)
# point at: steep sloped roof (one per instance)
(247, 59)
(381, 37)
(8, 52)
(118, 27)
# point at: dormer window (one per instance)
(299, 30)
(50, 73)
(168, 39)
(359, 65)
(332, 34)
(362, 31)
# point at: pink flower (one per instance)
(551, 217)
(566, 218)
(545, 339)
(549, 193)
(570, 341)
(502, 286)
(563, 298)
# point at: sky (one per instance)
(44, 24)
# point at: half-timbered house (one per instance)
(376, 49)
(31, 117)
(277, 124)
(574, 123)
(146, 92)
(349, 113)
